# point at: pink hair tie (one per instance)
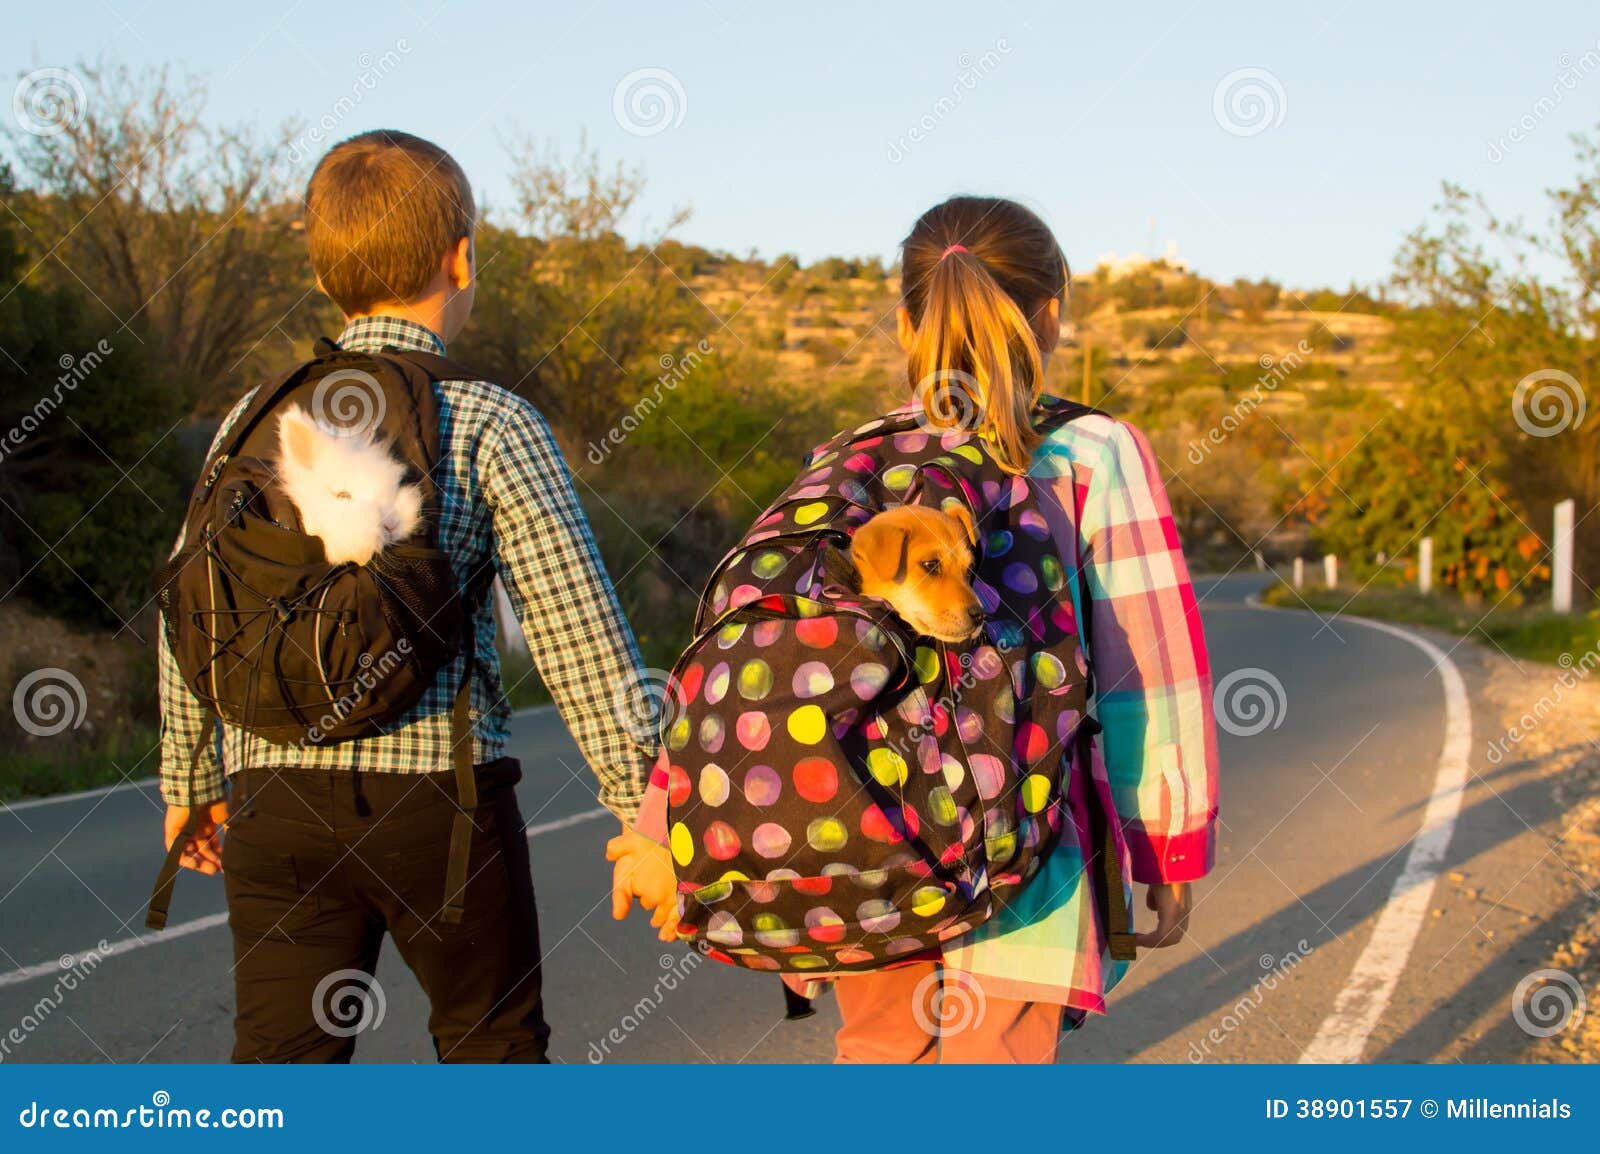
(954, 248)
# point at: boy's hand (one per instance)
(643, 869)
(1171, 904)
(203, 850)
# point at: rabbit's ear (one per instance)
(406, 513)
(298, 437)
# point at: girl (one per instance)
(983, 285)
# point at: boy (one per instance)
(339, 844)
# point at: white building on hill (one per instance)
(1118, 267)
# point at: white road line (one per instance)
(212, 921)
(70, 961)
(1367, 992)
(58, 798)
(567, 822)
(146, 782)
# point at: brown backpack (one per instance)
(276, 641)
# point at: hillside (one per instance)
(1158, 328)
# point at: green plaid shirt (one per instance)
(507, 500)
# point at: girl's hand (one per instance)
(643, 869)
(1170, 901)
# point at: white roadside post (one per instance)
(507, 628)
(1330, 571)
(1561, 559)
(1425, 565)
(1299, 572)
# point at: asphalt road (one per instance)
(1301, 931)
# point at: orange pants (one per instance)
(921, 1014)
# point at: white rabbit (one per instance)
(346, 487)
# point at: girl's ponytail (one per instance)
(973, 270)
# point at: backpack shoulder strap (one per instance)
(1052, 413)
(422, 370)
(266, 396)
(438, 368)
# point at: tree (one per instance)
(1419, 473)
(1252, 298)
(92, 475)
(175, 228)
(1503, 332)
(570, 313)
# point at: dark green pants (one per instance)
(320, 865)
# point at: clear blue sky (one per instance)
(1101, 116)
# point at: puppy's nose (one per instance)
(976, 615)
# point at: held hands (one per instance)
(203, 849)
(1170, 901)
(643, 869)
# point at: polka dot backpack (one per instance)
(842, 793)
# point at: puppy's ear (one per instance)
(880, 550)
(298, 437)
(839, 569)
(963, 514)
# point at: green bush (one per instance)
(92, 478)
(1425, 472)
(720, 446)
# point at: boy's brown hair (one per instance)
(382, 209)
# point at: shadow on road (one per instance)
(1184, 1002)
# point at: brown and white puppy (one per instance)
(917, 559)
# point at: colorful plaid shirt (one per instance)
(507, 499)
(1156, 760)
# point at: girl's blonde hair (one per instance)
(973, 272)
